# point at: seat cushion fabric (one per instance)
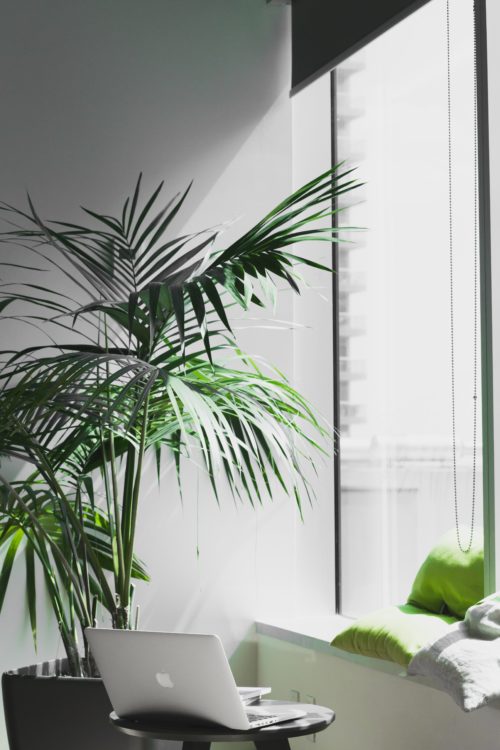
(450, 580)
(393, 633)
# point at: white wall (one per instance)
(92, 92)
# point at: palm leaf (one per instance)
(31, 590)
(152, 362)
(8, 563)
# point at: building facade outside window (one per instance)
(395, 470)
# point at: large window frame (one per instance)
(485, 316)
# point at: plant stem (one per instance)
(107, 493)
(116, 530)
(84, 551)
(135, 503)
(116, 505)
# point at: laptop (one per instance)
(180, 676)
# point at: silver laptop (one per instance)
(184, 676)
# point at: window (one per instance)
(394, 466)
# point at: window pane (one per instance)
(394, 303)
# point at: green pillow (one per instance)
(450, 580)
(393, 633)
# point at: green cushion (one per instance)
(450, 580)
(393, 633)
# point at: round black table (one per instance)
(274, 737)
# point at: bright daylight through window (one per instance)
(394, 379)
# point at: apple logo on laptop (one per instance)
(163, 678)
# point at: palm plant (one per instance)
(140, 355)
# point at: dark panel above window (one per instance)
(325, 32)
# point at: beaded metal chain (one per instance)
(452, 320)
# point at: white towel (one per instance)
(466, 667)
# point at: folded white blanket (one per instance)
(466, 661)
(483, 619)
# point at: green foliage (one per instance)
(138, 355)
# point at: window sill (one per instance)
(316, 633)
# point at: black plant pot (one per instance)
(44, 710)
